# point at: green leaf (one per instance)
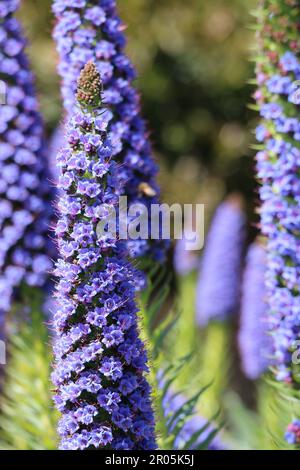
(190, 443)
(188, 407)
(162, 335)
(204, 445)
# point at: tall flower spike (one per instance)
(92, 30)
(278, 165)
(254, 342)
(218, 289)
(100, 362)
(25, 191)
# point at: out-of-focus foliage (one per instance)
(28, 418)
(211, 359)
(191, 59)
(263, 428)
(255, 413)
(175, 426)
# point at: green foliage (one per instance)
(278, 405)
(167, 369)
(28, 419)
(176, 420)
(214, 363)
(247, 431)
(262, 428)
(211, 359)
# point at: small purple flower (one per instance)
(271, 111)
(292, 435)
(280, 85)
(289, 63)
(254, 343)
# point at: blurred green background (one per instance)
(193, 62)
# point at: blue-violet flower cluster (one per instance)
(278, 168)
(100, 362)
(218, 289)
(25, 191)
(92, 30)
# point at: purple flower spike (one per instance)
(92, 30)
(254, 343)
(218, 289)
(278, 163)
(100, 362)
(25, 191)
